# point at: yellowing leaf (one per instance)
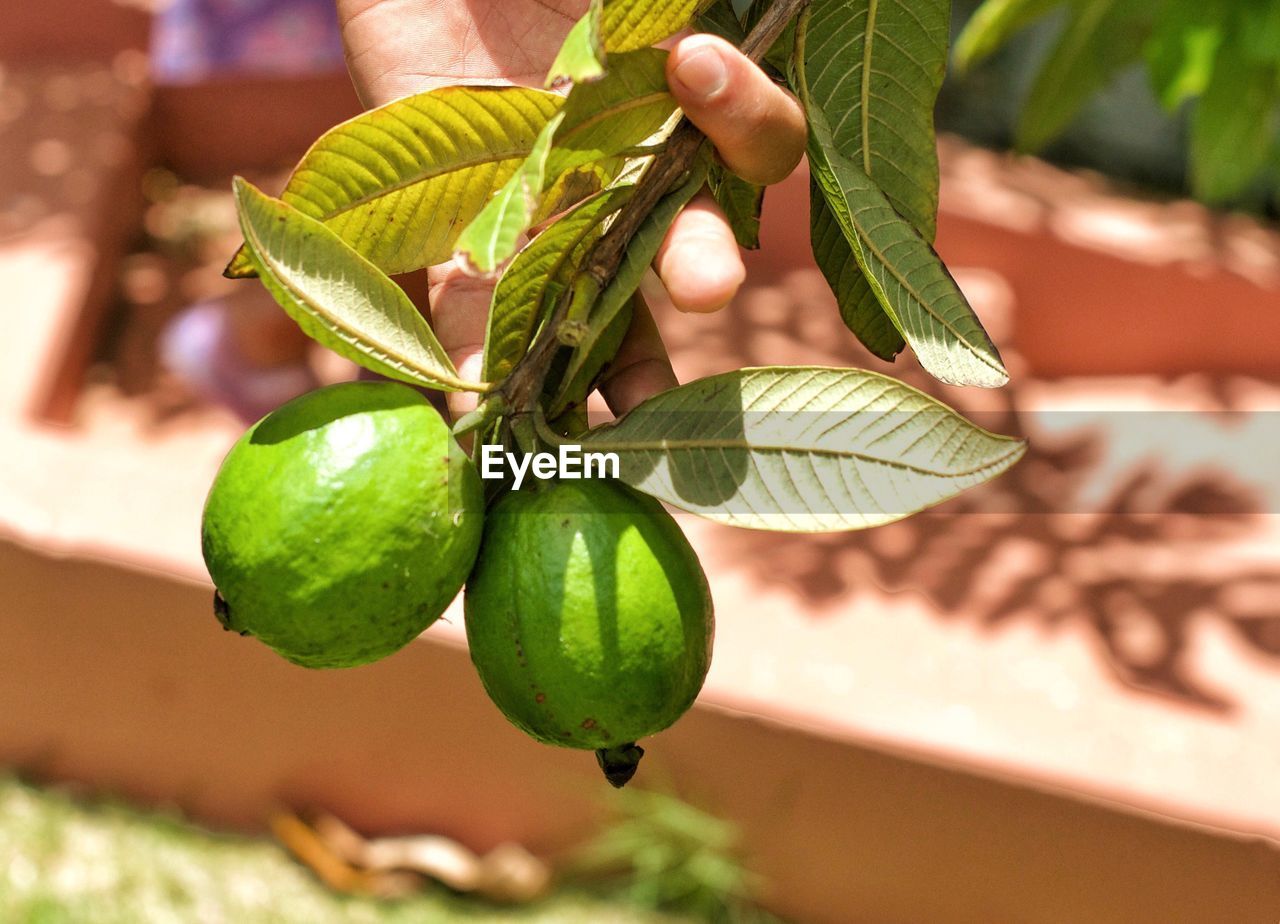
(609, 116)
(632, 24)
(599, 121)
(400, 182)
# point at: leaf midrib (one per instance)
(627, 105)
(382, 192)
(277, 268)
(865, 113)
(867, 242)
(484, 158)
(668, 445)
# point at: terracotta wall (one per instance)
(147, 702)
(59, 30)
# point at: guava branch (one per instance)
(685, 145)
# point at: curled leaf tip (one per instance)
(467, 263)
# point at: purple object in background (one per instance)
(198, 346)
(198, 39)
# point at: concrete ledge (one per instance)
(117, 677)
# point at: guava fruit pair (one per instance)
(342, 525)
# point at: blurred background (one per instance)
(1053, 699)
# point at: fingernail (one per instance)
(703, 72)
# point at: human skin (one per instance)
(398, 47)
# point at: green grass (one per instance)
(67, 862)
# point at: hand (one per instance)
(398, 47)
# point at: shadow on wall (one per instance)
(1127, 521)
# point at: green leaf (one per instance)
(338, 297)
(593, 353)
(609, 116)
(908, 278)
(1181, 50)
(874, 68)
(741, 203)
(398, 183)
(542, 270)
(1234, 128)
(599, 121)
(581, 57)
(720, 19)
(494, 234)
(632, 24)
(1101, 37)
(801, 449)
(859, 307)
(1260, 31)
(993, 24)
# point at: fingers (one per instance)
(641, 367)
(757, 127)
(759, 131)
(459, 316)
(699, 261)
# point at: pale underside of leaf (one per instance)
(859, 307)
(400, 182)
(910, 281)
(801, 449)
(339, 298)
(542, 270)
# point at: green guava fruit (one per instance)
(342, 524)
(588, 617)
